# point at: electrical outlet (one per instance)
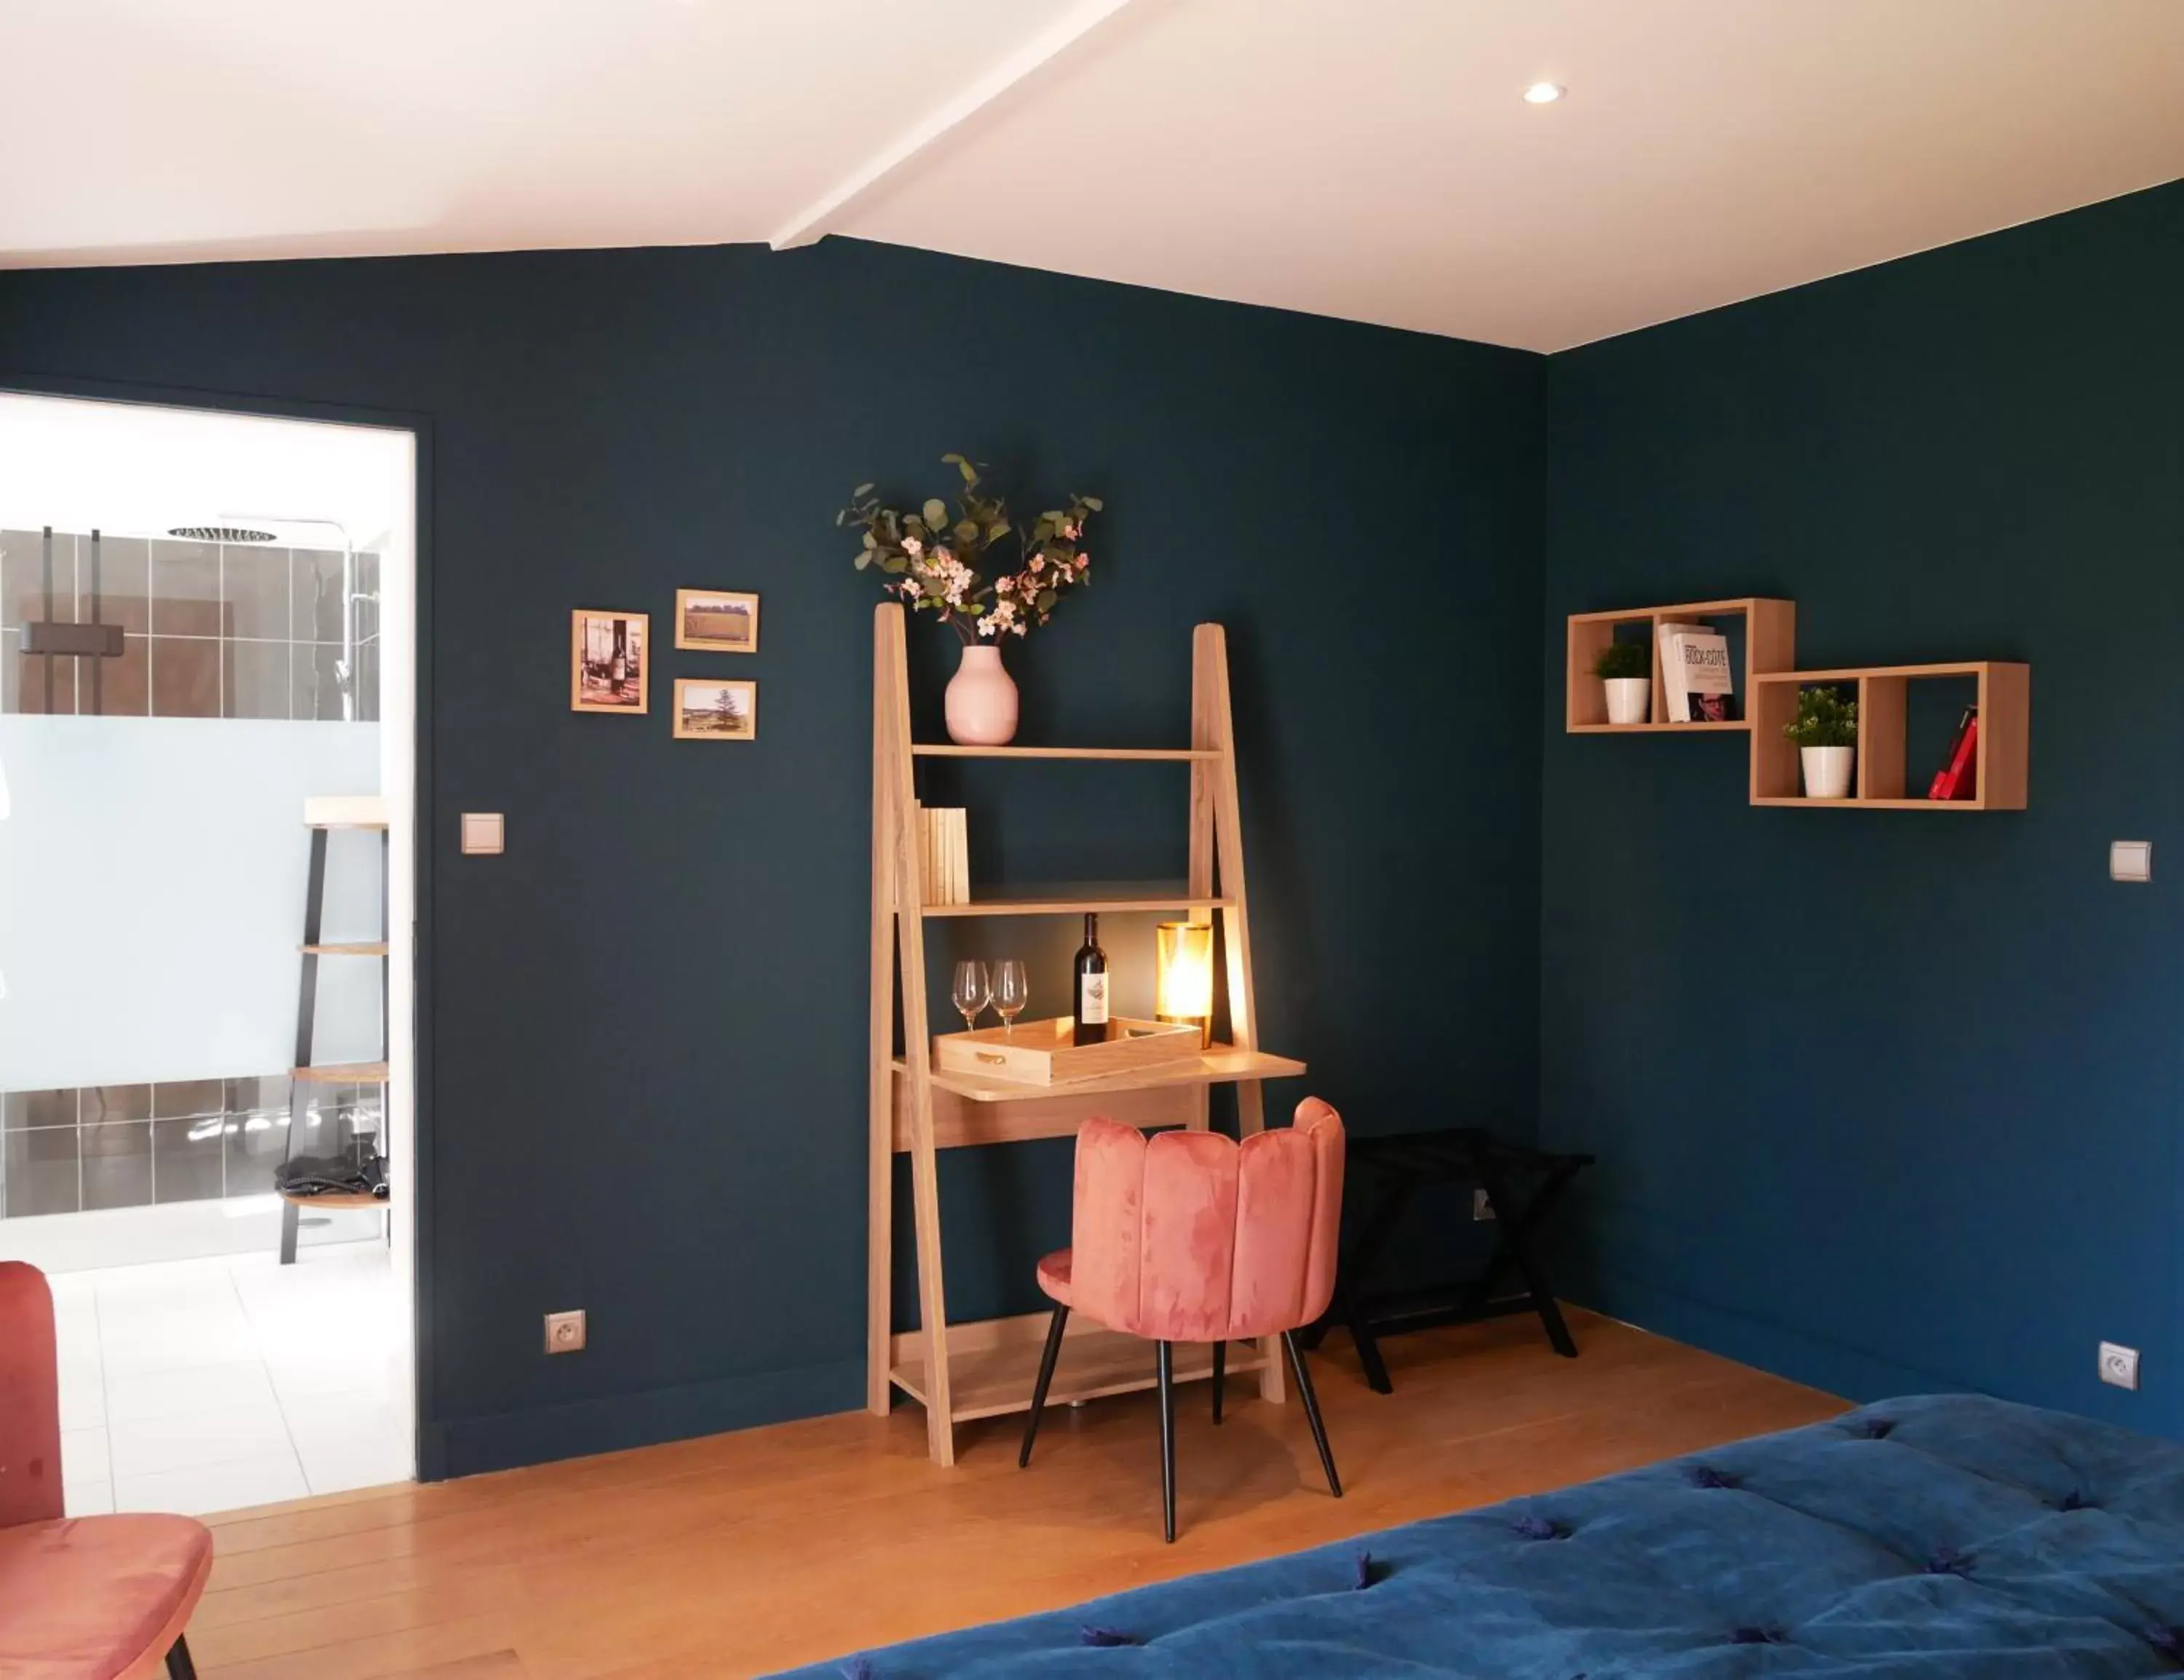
(1482, 1205)
(565, 1332)
(2118, 1365)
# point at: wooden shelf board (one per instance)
(1678, 609)
(1851, 673)
(1066, 901)
(1729, 724)
(349, 949)
(1221, 1065)
(992, 1381)
(1881, 804)
(341, 1073)
(337, 1198)
(1140, 755)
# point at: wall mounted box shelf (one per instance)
(2004, 700)
(1771, 641)
(981, 1368)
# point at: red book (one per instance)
(1959, 779)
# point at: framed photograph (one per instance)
(707, 710)
(610, 656)
(717, 621)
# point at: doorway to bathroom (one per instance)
(207, 1117)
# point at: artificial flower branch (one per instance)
(938, 564)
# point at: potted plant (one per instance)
(1626, 668)
(1825, 729)
(937, 566)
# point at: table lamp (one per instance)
(1182, 986)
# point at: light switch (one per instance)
(484, 832)
(2131, 859)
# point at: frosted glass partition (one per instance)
(151, 877)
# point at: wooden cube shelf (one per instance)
(2004, 702)
(1770, 637)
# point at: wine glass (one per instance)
(974, 990)
(1011, 992)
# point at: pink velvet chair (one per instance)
(97, 1598)
(1188, 1236)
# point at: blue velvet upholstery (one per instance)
(1948, 1536)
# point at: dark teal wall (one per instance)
(644, 1025)
(1888, 1101)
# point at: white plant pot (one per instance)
(1827, 771)
(1629, 699)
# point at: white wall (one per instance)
(152, 883)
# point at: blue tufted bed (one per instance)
(1947, 1537)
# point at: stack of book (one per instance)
(1695, 676)
(943, 854)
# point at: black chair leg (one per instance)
(1220, 1376)
(1167, 1439)
(179, 1665)
(1046, 1376)
(1311, 1412)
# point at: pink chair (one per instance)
(97, 1598)
(1188, 1237)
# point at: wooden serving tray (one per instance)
(1041, 1052)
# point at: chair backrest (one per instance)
(29, 1398)
(1188, 1236)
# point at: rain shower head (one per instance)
(220, 533)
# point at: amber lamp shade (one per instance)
(1182, 986)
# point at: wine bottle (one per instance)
(1091, 987)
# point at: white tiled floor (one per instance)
(197, 1385)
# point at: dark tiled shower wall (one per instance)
(209, 629)
(129, 1146)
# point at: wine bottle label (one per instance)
(1092, 999)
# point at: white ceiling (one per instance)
(1364, 158)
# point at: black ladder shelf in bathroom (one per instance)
(322, 817)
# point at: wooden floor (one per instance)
(739, 1554)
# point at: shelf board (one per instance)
(993, 1381)
(1710, 728)
(1083, 901)
(348, 948)
(1221, 1065)
(1683, 609)
(1140, 755)
(1851, 673)
(341, 1073)
(1857, 805)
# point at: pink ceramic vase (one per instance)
(982, 700)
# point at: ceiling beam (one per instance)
(815, 221)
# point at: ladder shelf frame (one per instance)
(914, 1111)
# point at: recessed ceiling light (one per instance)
(1544, 93)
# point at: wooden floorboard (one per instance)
(739, 1555)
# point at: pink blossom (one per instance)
(1038, 565)
(911, 545)
(1005, 584)
(1071, 531)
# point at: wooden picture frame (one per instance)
(609, 661)
(714, 708)
(700, 611)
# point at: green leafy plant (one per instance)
(1825, 719)
(1624, 658)
(939, 566)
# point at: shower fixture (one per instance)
(94, 641)
(220, 533)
